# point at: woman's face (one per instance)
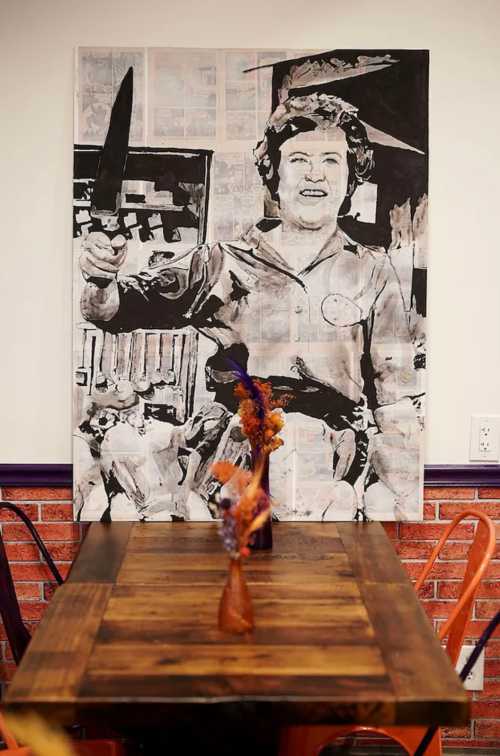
(313, 175)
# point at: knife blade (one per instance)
(106, 198)
(106, 192)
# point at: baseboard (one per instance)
(37, 476)
(461, 475)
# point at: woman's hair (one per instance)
(307, 113)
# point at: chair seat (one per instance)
(309, 741)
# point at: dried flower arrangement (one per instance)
(244, 503)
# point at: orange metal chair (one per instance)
(309, 740)
(80, 747)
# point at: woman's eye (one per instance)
(298, 159)
(331, 161)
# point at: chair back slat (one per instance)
(15, 629)
(36, 537)
(480, 553)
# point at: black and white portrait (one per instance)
(261, 207)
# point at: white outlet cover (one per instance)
(485, 438)
(475, 678)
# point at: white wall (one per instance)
(37, 40)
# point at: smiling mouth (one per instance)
(313, 193)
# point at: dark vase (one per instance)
(263, 537)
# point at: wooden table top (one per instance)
(340, 635)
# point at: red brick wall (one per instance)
(51, 510)
(414, 543)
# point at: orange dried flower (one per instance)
(224, 471)
(246, 506)
(259, 420)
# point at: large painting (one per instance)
(264, 207)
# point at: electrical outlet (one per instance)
(475, 678)
(485, 438)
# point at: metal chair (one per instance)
(17, 633)
(305, 740)
(19, 637)
(467, 668)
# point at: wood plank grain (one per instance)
(58, 655)
(284, 532)
(304, 539)
(154, 554)
(198, 660)
(371, 554)
(283, 605)
(339, 689)
(329, 613)
(188, 545)
(419, 669)
(334, 640)
(101, 553)
(268, 613)
(149, 570)
(346, 633)
(143, 596)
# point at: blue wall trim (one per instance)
(54, 476)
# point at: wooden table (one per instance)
(340, 636)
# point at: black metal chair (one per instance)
(19, 638)
(468, 666)
(16, 631)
